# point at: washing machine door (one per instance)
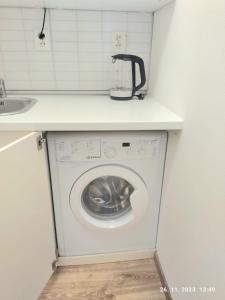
(109, 197)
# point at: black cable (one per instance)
(140, 96)
(41, 34)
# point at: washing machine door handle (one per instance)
(139, 203)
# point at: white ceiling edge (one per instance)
(113, 5)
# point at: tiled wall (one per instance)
(81, 47)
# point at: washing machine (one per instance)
(106, 190)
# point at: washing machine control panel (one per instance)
(114, 149)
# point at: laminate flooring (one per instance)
(130, 280)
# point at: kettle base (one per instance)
(121, 98)
(121, 94)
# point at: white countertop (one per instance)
(92, 112)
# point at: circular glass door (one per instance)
(107, 197)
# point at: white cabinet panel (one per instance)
(7, 137)
(125, 5)
(26, 222)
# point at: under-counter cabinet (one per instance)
(27, 229)
(28, 249)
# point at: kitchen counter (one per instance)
(91, 112)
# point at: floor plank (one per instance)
(131, 280)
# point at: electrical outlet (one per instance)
(119, 41)
(42, 44)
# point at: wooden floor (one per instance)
(132, 280)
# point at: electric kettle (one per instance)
(125, 77)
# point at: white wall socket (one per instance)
(119, 41)
(42, 45)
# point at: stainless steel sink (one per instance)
(15, 105)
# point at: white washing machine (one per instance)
(106, 190)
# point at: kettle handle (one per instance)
(138, 60)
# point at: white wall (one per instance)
(188, 76)
(81, 47)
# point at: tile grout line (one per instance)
(52, 49)
(27, 52)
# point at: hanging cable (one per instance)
(41, 34)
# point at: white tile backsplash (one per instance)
(69, 66)
(139, 27)
(63, 26)
(10, 13)
(42, 75)
(91, 16)
(34, 25)
(39, 56)
(64, 57)
(11, 46)
(91, 66)
(33, 14)
(90, 47)
(67, 76)
(81, 47)
(40, 66)
(18, 75)
(117, 17)
(64, 46)
(18, 85)
(14, 56)
(91, 76)
(64, 36)
(6, 24)
(91, 37)
(63, 15)
(139, 38)
(11, 35)
(138, 17)
(15, 66)
(89, 26)
(43, 85)
(114, 26)
(67, 85)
